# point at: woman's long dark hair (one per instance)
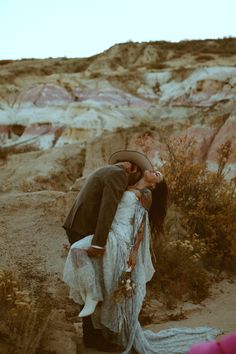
(158, 209)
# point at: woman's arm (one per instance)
(146, 198)
(146, 201)
(134, 252)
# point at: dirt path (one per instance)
(32, 245)
(217, 311)
(31, 240)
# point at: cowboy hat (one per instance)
(132, 156)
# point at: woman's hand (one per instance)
(132, 259)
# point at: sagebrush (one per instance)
(204, 244)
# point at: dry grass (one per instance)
(156, 66)
(5, 62)
(222, 47)
(180, 273)
(181, 73)
(203, 243)
(204, 57)
(22, 323)
(5, 152)
(206, 198)
(128, 82)
(45, 67)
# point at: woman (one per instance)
(113, 287)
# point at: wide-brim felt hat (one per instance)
(136, 157)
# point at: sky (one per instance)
(76, 28)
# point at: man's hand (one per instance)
(95, 252)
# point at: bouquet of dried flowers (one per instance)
(126, 286)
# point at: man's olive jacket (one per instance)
(95, 206)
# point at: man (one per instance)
(93, 212)
(94, 208)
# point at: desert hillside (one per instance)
(185, 88)
(60, 118)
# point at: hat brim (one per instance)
(136, 157)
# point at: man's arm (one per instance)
(115, 185)
(94, 251)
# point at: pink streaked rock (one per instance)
(206, 93)
(150, 144)
(47, 94)
(44, 136)
(109, 97)
(226, 133)
(202, 137)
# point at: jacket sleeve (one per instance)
(114, 187)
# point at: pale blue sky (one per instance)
(76, 28)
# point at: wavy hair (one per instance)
(158, 209)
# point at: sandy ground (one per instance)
(32, 245)
(218, 311)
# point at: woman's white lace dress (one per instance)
(100, 277)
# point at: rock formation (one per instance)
(185, 88)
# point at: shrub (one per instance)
(16, 149)
(156, 66)
(206, 199)
(202, 242)
(5, 62)
(179, 272)
(19, 316)
(3, 154)
(204, 57)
